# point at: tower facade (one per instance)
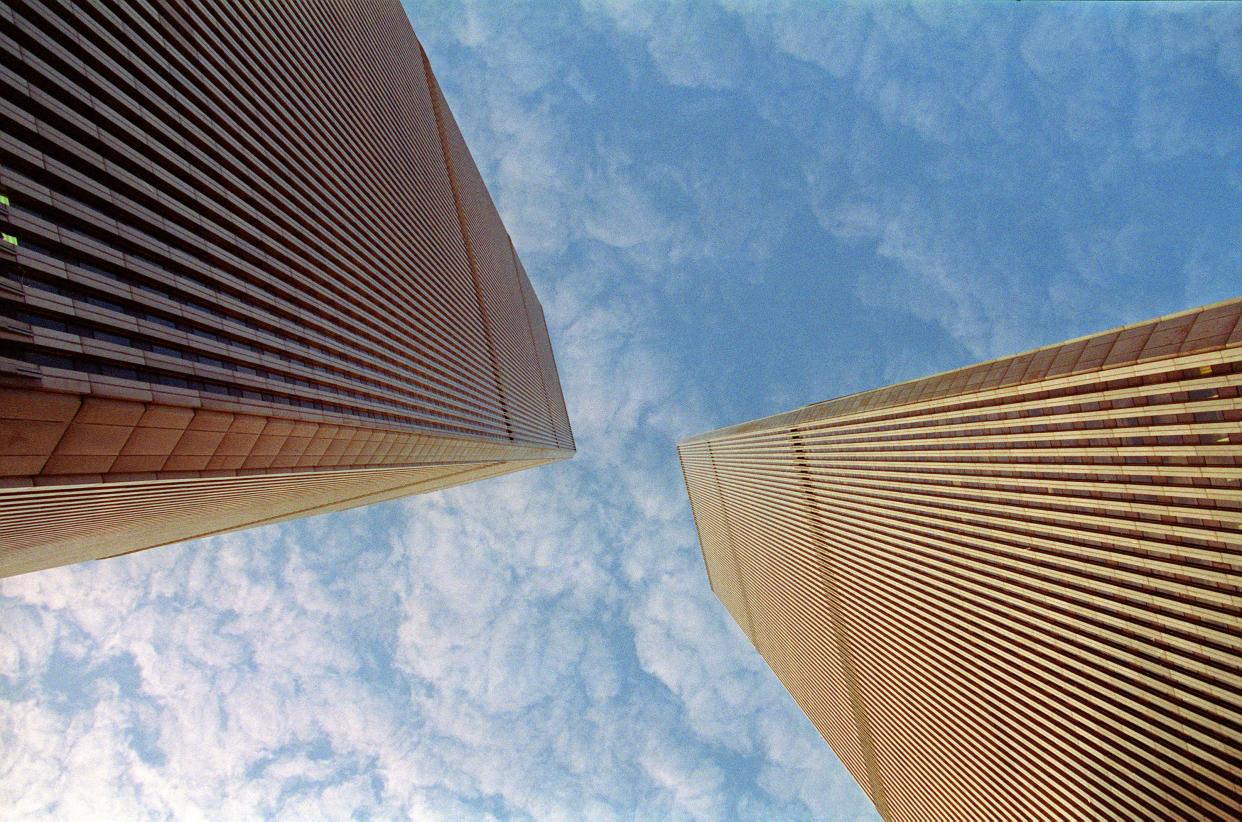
(1008, 591)
(249, 271)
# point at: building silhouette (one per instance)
(1008, 591)
(249, 271)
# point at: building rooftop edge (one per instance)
(774, 420)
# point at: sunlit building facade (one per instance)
(249, 272)
(1008, 591)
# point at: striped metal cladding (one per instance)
(97, 521)
(1008, 591)
(263, 211)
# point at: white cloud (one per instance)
(698, 45)
(694, 785)
(544, 645)
(541, 646)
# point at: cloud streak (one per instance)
(726, 208)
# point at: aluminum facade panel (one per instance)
(1011, 590)
(262, 212)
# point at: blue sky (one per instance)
(728, 209)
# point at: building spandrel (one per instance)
(1013, 590)
(249, 272)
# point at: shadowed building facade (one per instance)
(249, 272)
(1008, 591)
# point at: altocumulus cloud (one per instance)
(727, 208)
(527, 649)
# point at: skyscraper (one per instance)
(249, 271)
(1008, 591)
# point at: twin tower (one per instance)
(250, 272)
